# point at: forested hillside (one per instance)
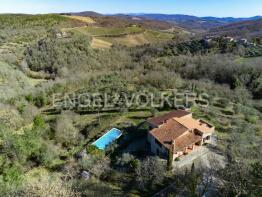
(246, 29)
(45, 145)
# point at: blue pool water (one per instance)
(107, 139)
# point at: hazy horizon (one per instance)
(131, 13)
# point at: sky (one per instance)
(218, 8)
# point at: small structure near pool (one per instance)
(107, 139)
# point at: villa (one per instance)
(177, 132)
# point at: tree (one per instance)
(153, 111)
(125, 159)
(170, 160)
(65, 131)
(192, 181)
(255, 188)
(150, 172)
(47, 186)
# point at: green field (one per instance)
(101, 31)
(128, 36)
(147, 37)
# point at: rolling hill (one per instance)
(122, 20)
(249, 29)
(85, 13)
(105, 37)
(123, 29)
(193, 22)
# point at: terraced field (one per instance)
(148, 36)
(109, 32)
(128, 36)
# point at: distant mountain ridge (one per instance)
(194, 22)
(246, 29)
(190, 17)
(85, 13)
(123, 20)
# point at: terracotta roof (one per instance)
(168, 132)
(176, 126)
(192, 124)
(185, 141)
(173, 114)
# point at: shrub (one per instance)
(93, 150)
(222, 103)
(252, 119)
(125, 159)
(39, 122)
(177, 159)
(13, 175)
(29, 113)
(29, 98)
(134, 163)
(150, 172)
(227, 112)
(40, 101)
(49, 155)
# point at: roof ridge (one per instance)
(180, 123)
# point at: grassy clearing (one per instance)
(146, 37)
(100, 44)
(107, 32)
(134, 117)
(157, 35)
(128, 40)
(87, 20)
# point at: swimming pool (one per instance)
(107, 139)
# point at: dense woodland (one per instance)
(44, 150)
